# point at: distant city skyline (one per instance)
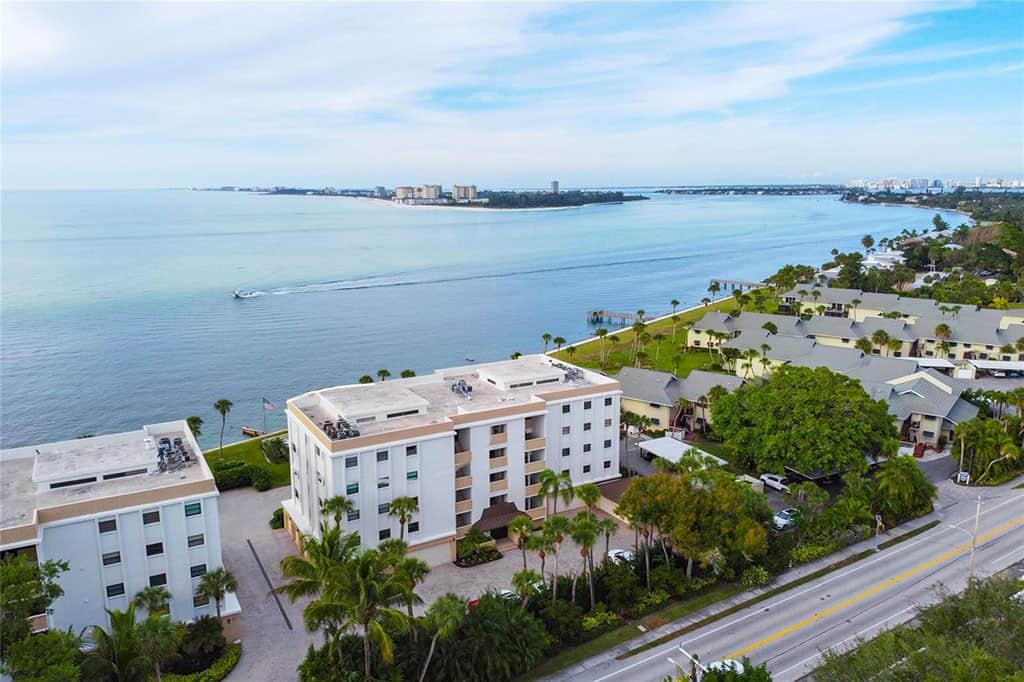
(508, 95)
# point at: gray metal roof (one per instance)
(699, 382)
(647, 385)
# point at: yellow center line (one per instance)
(873, 590)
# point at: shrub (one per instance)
(755, 576)
(230, 475)
(649, 601)
(806, 553)
(217, 671)
(699, 583)
(669, 579)
(259, 477)
(277, 518)
(600, 620)
(203, 644)
(617, 585)
(274, 450)
(477, 556)
(564, 622)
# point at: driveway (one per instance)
(273, 643)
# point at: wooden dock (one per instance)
(599, 316)
(734, 284)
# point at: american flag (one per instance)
(269, 406)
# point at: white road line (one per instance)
(631, 666)
(1010, 553)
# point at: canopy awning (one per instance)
(673, 450)
(1012, 365)
(934, 362)
(497, 516)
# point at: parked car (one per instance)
(780, 483)
(620, 556)
(785, 518)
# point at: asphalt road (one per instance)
(790, 631)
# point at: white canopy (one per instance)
(672, 450)
(934, 362)
(1012, 365)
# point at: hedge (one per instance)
(216, 672)
(235, 474)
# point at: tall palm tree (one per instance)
(383, 374)
(117, 653)
(880, 338)
(864, 345)
(160, 638)
(584, 533)
(901, 485)
(542, 544)
(524, 583)
(675, 304)
(517, 355)
(403, 508)
(557, 527)
(854, 302)
(223, 406)
(714, 288)
(602, 334)
(547, 339)
(153, 599)
(894, 345)
(571, 350)
(607, 527)
(559, 342)
(554, 485)
(195, 425)
(336, 507)
(589, 494)
(520, 529)
(215, 585)
(444, 617)
(412, 572)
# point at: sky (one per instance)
(144, 94)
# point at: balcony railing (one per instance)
(463, 482)
(532, 490)
(499, 485)
(534, 467)
(463, 458)
(499, 438)
(499, 462)
(39, 623)
(463, 506)
(538, 513)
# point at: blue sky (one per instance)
(156, 95)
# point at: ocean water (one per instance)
(116, 308)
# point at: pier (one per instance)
(599, 316)
(734, 284)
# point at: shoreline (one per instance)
(905, 205)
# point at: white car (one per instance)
(775, 481)
(620, 556)
(785, 518)
(726, 665)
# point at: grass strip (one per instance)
(909, 534)
(248, 451)
(842, 563)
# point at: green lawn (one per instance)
(667, 353)
(249, 451)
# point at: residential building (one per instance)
(428, 192)
(405, 192)
(554, 186)
(464, 192)
(126, 511)
(461, 441)
(670, 401)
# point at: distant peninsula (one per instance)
(756, 190)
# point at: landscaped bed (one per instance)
(248, 452)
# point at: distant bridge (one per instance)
(734, 284)
(598, 316)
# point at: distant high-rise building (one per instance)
(404, 192)
(554, 186)
(890, 183)
(380, 192)
(464, 192)
(429, 192)
(918, 183)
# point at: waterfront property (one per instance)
(461, 441)
(126, 511)
(668, 400)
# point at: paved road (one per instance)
(789, 631)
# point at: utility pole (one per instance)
(974, 539)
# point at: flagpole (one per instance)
(263, 409)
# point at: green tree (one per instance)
(51, 656)
(675, 304)
(366, 379)
(867, 241)
(223, 407)
(902, 488)
(546, 337)
(29, 588)
(520, 529)
(216, 585)
(118, 653)
(584, 533)
(408, 373)
(274, 450)
(383, 374)
(195, 425)
(154, 600)
(160, 638)
(542, 544)
(559, 342)
(404, 509)
(336, 507)
(525, 583)
(808, 419)
(589, 494)
(444, 617)
(556, 527)
(556, 485)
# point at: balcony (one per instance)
(532, 490)
(498, 486)
(534, 444)
(463, 482)
(499, 438)
(463, 458)
(39, 623)
(534, 467)
(499, 462)
(538, 513)
(463, 506)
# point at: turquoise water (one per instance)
(117, 309)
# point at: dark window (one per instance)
(382, 455)
(566, 430)
(196, 540)
(607, 402)
(384, 482)
(586, 404)
(412, 475)
(158, 580)
(193, 509)
(384, 534)
(198, 601)
(77, 481)
(586, 447)
(353, 515)
(115, 590)
(154, 548)
(111, 558)
(496, 453)
(410, 450)
(565, 452)
(351, 488)
(586, 468)
(414, 526)
(497, 499)
(351, 462)
(566, 408)
(497, 476)
(608, 422)
(497, 429)
(108, 525)
(198, 570)
(150, 517)
(607, 464)
(608, 443)
(586, 426)
(383, 507)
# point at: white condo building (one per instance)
(460, 440)
(126, 511)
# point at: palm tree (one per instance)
(215, 585)
(413, 572)
(444, 617)
(520, 529)
(675, 321)
(714, 288)
(556, 527)
(524, 583)
(943, 331)
(195, 425)
(154, 599)
(366, 379)
(516, 355)
(589, 494)
(895, 345)
(880, 338)
(854, 302)
(584, 533)
(223, 406)
(383, 374)
(607, 527)
(403, 508)
(867, 241)
(554, 485)
(640, 315)
(901, 486)
(675, 304)
(117, 653)
(770, 327)
(571, 350)
(160, 638)
(864, 345)
(658, 338)
(602, 334)
(547, 339)
(408, 373)
(336, 507)
(943, 348)
(706, 301)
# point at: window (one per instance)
(154, 548)
(586, 447)
(410, 450)
(464, 519)
(607, 442)
(655, 421)
(846, 340)
(607, 464)
(351, 462)
(566, 408)
(413, 475)
(497, 453)
(108, 525)
(565, 452)
(463, 494)
(198, 570)
(586, 405)
(150, 517)
(158, 580)
(196, 540)
(534, 502)
(198, 601)
(531, 479)
(414, 526)
(111, 558)
(497, 499)
(382, 455)
(115, 590)
(607, 402)
(351, 488)
(403, 413)
(566, 430)
(383, 482)
(608, 422)
(353, 515)
(76, 481)
(383, 507)
(497, 429)
(497, 476)
(384, 534)
(929, 434)
(193, 509)
(586, 468)
(586, 426)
